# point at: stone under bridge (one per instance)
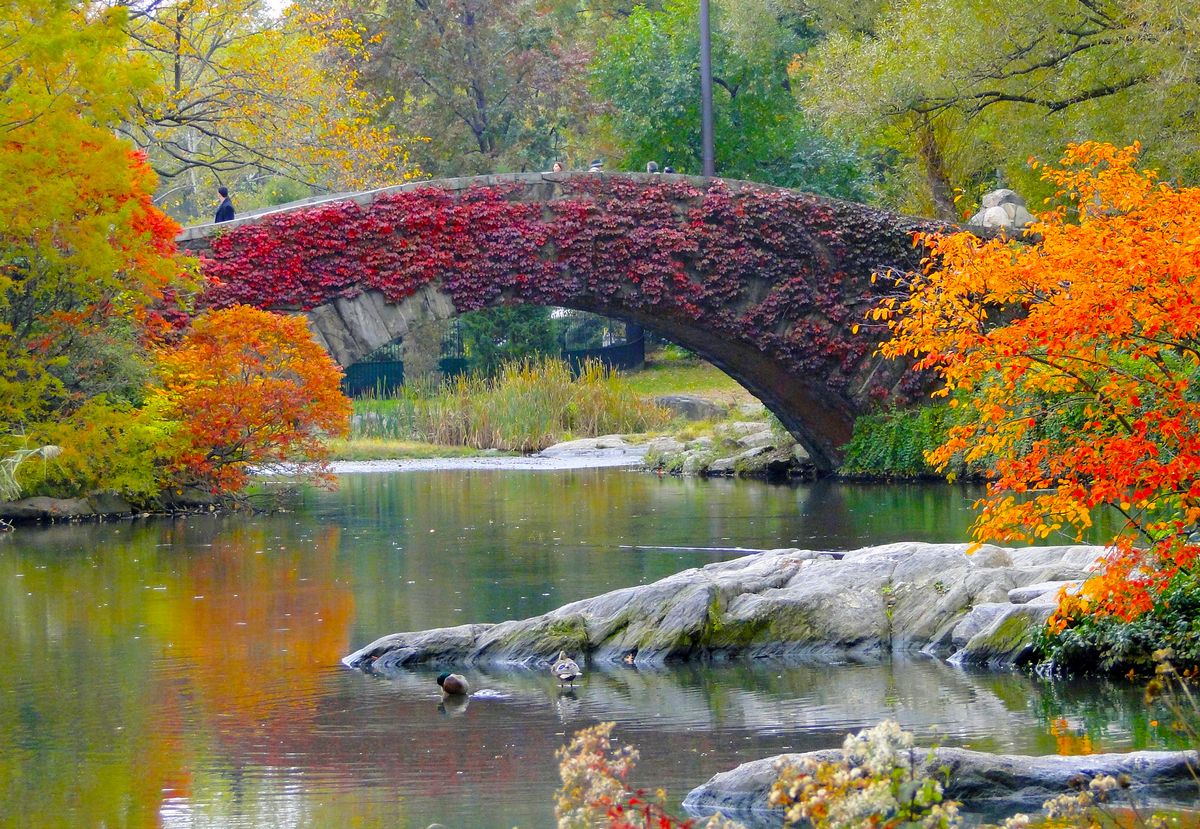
(763, 282)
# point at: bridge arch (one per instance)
(765, 283)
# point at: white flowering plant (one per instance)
(881, 780)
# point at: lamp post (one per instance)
(706, 94)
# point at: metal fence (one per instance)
(626, 356)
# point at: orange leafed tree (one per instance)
(1077, 348)
(252, 389)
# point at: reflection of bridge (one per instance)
(765, 283)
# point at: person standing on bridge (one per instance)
(225, 211)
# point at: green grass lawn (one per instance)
(686, 377)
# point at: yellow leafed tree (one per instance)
(246, 96)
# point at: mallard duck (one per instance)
(453, 685)
(565, 669)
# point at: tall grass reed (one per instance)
(527, 406)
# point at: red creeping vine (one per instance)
(784, 271)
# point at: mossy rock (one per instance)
(1009, 639)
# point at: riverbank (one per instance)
(697, 420)
(589, 453)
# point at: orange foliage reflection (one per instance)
(258, 630)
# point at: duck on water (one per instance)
(565, 669)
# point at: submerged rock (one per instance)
(991, 785)
(788, 603)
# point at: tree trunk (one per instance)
(936, 175)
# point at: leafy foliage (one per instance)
(895, 443)
(595, 791)
(1076, 352)
(959, 97)
(496, 85)
(645, 70)
(250, 389)
(500, 335)
(107, 445)
(83, 251)
(1115, 646)
(250, 97)
(880, 780)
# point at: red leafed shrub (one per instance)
(594, 792)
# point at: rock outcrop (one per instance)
(789, 603)
(692, 406)
(990, 785)
(606, 446)
(744, 449)
(1002, 209)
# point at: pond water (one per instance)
(184, 672)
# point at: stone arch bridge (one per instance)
(765, 283)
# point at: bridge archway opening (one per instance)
(351, 329)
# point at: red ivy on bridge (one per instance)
(786, 271)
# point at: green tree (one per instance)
(498, 335)
(962, 94)
(646, 72)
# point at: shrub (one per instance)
(895, 443)
(879, 781)
(1080, 642)
(250, 389)
(107, 445)
(594, 791)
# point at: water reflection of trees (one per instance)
(485, 545)
(143, 649)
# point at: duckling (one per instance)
(565, 669)
(453, 685)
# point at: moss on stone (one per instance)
(1014, 634)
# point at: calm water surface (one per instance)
(184, 673)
